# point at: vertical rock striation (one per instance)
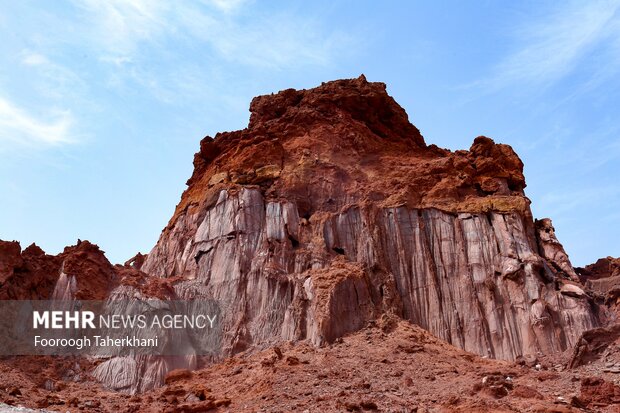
(327, 213)
(330, 211)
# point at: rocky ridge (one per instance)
(328, 214)
(347, 214)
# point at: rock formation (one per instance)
(602, 281)
(330, 213)
(81, 271)
(329, 210)
(602, 277)
(28, 274)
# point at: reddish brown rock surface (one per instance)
(28, 274)
(330, 217)
(348, 142)
(329, 211)
(85, 273)
(81, 271)
(603, 268)
(386, 367)
(603, 279)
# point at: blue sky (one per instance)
(103, 103)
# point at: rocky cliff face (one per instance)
(330, 211)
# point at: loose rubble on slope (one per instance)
(390, 365)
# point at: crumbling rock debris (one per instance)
(592, 344)
(596, 392)
(178, 374)
(526, 392)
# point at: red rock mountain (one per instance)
(329, 217)
(329, 211)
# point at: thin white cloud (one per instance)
(19, 126)
(34, 59)
(226, 6)
(551, 48)
(151, 44)
(116, 60)
(121, 24)
(275, 40)
(52, 80)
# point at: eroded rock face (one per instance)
(80, 272)
(602, 279)
(552, 250)
(474, 280)
(136, 261)
(602, 268)
(327, 214)
(26, 275)
(85, 274)
(329, 211)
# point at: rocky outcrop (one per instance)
(80, 272)
(136, 261)
(602, 268)
(330, 211)
(327, 214)
(474, 280)
(603, 277)
(85, 274)
(553, 252)
(602, 280)
(26, 275)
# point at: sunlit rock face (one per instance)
(475, 280)
(330, 211)
(327, 213)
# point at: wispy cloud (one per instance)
(272, 41)
(121, 25)
(51, 79)
(552, 47)
(34, 59)
(228, 28)
(179, 52)
(226, 6)
(19, 126)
